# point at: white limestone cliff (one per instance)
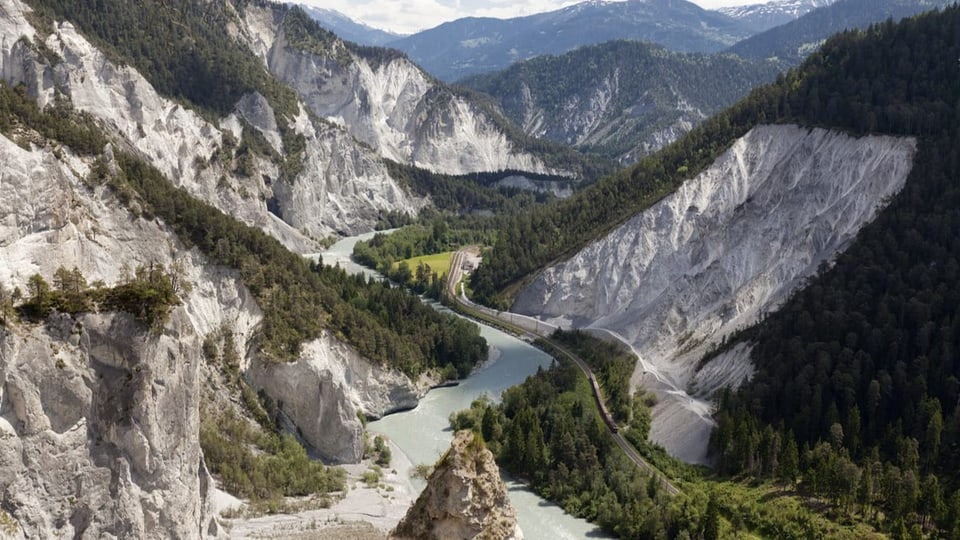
(343, 187)
(99, 416)
(392, 106)
(322, 392)
(715, 255)
(99, 421)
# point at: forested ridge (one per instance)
(860, 369)
(642, 80)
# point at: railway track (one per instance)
(493, 317)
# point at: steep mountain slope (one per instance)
(625, 99)
(279, 170)
(99, 415)
(727, 246)
(866, 355)
(858, 364)
(390, 104)
(347, 28)
(762, 17)
(477, 45)
(792, 42)
(100, 411)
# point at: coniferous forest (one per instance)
(858, 372)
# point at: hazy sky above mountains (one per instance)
(410, 16)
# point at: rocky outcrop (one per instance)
(709, 259)
(464, 498)
(322, 392)
(99, 422)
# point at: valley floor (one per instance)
(364, 513)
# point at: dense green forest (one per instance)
(613, 367)
(859, 370)
(548, 432)
(646, 82)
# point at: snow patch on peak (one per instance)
(709, 259)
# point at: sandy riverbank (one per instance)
(364, 513)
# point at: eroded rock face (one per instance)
(99, 423)
(464, 498)
(322, 392)
(392, 106)
(343, 186)
(713, 256)
(99, 416)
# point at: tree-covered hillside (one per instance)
(623, 99)
(856, 400)
(861, 366)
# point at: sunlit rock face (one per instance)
(726, 247)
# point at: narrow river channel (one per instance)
(423, 434)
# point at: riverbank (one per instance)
(364, 512)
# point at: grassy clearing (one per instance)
(438, 262)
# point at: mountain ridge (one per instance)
(349, 29)
(793, 41)
(624, 99)
(475, 45)
(763, 17)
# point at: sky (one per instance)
(410, 16)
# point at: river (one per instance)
(423, 434)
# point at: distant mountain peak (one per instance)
(762, 17)
(347, 28)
